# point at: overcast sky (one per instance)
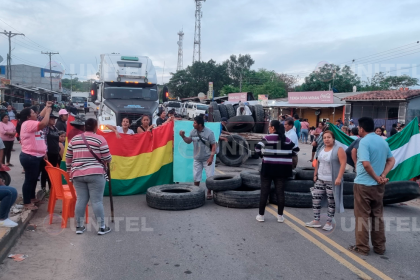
(285, 36)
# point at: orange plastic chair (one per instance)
(53, 195)
(68, 197)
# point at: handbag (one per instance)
(95, 156)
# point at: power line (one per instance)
(10, 35)
(27, 61)
(50, 54)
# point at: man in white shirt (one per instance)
(291, 134)
(243, 110)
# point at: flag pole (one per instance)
(110, 192)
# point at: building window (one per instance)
(393, 113)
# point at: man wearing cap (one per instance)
(243, 110)
(61, 124)
(78, 126)
(351, 125)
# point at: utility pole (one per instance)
(197, 33)
(71, 81)
(9, 56)
(50, 54)
(180, 51)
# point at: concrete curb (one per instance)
(10, 238)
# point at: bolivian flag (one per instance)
(140, 161)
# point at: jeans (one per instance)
(31, 166)
(90, 187)
(8, 147)
(304, 135)
(265, 192)
(8, 196)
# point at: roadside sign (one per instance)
(210, 94)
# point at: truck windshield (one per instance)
(174, 104)
(202, 107)
(145, 93)
(78, 99)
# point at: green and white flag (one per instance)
(405, 147)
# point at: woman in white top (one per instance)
(124, 128)
(328, 177)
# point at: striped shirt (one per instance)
(80, 161)
(276, 158)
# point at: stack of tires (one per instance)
(254, 123)
(229, 191)
(233, 152)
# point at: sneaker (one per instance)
(19, 206)
(8, 223)
(312, 224)
(104, 230)
(260, 218)
(280, 218)
(328, 227)
(80, 230)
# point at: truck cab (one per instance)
(127, 88)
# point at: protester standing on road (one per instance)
(312, 134)
(305, 131)
(87, 154)
(7, 134)
(345, 129)
(61, 144)
(354, 133)
(145, 124)
(276, 152)
(384, 130)
(61, 123)
(204, 150)
(351, 125)
(374, 161)
(379, 131)
(328, 178)
(297, 125)
(8, 197)
(53, 151)
(33, 151)
(394, 129)
(124, 128)
(291, 134)
(318, 143)
(162, 118)
(11, 112)
(78, 126)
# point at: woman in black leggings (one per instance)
(276, 152)
(53, 152)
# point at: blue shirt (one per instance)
(375, 149)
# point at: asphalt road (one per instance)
(213, 242)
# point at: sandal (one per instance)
(9, 164)
(31, 207)
(357, 250)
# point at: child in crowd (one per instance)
(312, 133)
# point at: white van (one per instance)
(174, 105)
(196, 109)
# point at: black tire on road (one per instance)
(233, 152)
(401, 191)
(349, 176)
(175, 197)
(293, 199)
(216, 116)
(223, 111)
(6, 177)
(240, 124)
(235, 107)
(239, 198)
(305, 173)
(300, 186)
(225, 182)
(348, 188)
(214, 105)
(348, 201)
(230, 110)
(259, 118)
(251, 179)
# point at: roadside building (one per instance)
(385, 107)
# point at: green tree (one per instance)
(238, 65)
(401, 81)
(340, 79)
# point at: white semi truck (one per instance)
(127, 88)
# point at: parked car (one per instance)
(196, 109)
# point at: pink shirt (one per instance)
(9, 127)
(304, 125)
(32, 139)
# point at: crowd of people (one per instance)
(369, 154)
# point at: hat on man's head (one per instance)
(241, 105)
(79, 120)
(224, 119)
(63, 112)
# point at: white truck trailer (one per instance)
(127, 88)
